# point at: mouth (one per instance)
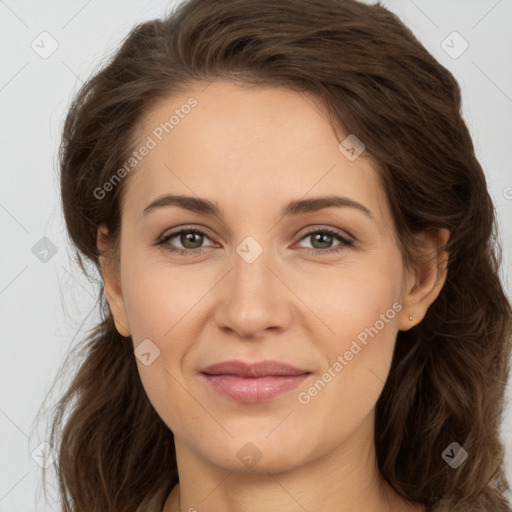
(250, 383)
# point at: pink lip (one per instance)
(257, 382)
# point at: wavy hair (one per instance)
(448, 375)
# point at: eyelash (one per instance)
(194, 252)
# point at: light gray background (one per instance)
(43, 304)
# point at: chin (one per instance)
(255, 454)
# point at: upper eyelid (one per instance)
(171, 233)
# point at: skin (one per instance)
(252, 150)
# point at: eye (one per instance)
(190, 239)
(322, 239)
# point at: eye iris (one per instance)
(322, 238)
(187, 237)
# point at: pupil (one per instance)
(189, 237)
(318, 238)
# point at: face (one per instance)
(264, 271)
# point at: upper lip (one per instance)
(258, 369)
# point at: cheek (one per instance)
(159, 307)
(362, 296)
(361, 309)
(158, 297)
(358, 359)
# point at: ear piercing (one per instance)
(410, 318)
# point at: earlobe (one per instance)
(428, 276)
(111, 281)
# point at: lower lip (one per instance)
(258, 389)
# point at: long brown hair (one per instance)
(449, 372)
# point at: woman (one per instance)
(302, 308)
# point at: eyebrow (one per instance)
(297, 207)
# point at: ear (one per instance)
(424, 283)
(111, 281)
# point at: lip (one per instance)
(253, 382)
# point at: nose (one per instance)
(254, 298)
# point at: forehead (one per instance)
(249, 145)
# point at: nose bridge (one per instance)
(251, 279)
(251, 261)
(254, 299)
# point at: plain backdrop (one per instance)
(46, 306)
